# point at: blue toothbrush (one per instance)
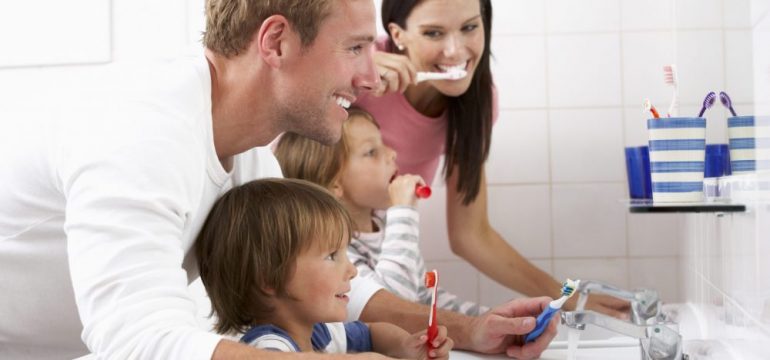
(727, 102)
(568, 288)
(707, 102)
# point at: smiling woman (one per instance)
(451, 117)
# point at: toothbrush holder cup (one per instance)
(677, 158)
(749, 143)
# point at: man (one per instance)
(99, 209)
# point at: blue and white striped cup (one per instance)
(749, 143)
(677, 158)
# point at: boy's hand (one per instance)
(416, 347)
(402, 190)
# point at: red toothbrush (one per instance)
(422, 192)
(431, 281)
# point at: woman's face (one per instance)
(442, 34)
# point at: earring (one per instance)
(400, 47)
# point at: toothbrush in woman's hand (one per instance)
(451, 74)
(727, 102)
(707, 102)
(568, 288)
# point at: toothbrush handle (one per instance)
(432, 333)
(542, 322)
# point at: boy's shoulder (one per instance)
(335, 338)
(269, 337)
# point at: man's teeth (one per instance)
(342, 102)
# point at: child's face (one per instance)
(320, 283)
(370, 166)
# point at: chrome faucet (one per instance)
(659, 341)
(645, 303)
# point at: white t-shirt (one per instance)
(123, 188)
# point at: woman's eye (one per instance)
(469, 28)
(432, 34)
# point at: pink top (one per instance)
(418, 139)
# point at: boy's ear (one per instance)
(272, 39)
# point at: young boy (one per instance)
(361, 172)
(272, 256)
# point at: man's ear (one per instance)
(271, 39)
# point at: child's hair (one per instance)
(251, 239)
(307, 159)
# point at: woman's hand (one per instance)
(396, 72)
(402, 190)
(415, 346)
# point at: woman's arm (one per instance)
(472, 237)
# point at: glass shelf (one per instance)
(647, 206)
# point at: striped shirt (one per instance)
(391, 257)
(332, 338)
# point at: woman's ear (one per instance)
(397, 34)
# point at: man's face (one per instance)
(327, 76)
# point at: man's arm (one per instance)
(501, 330)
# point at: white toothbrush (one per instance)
(670, 78)
(451, 74)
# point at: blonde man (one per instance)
(100, 209)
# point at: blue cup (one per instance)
(717, 160)
(638, 172)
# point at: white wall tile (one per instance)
(520, 80)
(196, 20)
(698, 14)
(146, 29)
(584, 70)
(644, 55)
(739, 66)
(612, 271)
(760, 11)
(457, 277)
(647, 15)
(43, 32)
(737, 14)
(587, 145)
(653, 234)
(493, 294)
(635, 130)
(522, 216)
(580, 16)
(700, 61)
(518, 17)
(519, 150)
(434, 241)
(589, 220)
(660, 274)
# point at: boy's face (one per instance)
(369, 169)
(320, 283)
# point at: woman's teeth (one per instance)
(342, 102)
(448, 68)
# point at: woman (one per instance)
(422, 120)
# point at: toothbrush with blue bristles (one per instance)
(567, 289)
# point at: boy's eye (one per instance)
(332, 256)
(371, 152)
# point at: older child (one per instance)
(361, 171)
(272, 257)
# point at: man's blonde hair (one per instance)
(230, 24)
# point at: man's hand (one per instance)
(504, 328)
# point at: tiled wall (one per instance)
(572, 76)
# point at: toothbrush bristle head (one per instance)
(569, 286)
(725, 99)
(431, 277)
(669, 75)
(647, 104)
(457, 74)
(709, 100)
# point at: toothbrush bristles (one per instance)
(430, 279)
(568, 287)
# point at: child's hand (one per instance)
(402, 190)
(416, 346)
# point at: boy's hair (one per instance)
(307, 159)
(230, 24)
(251, 239)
